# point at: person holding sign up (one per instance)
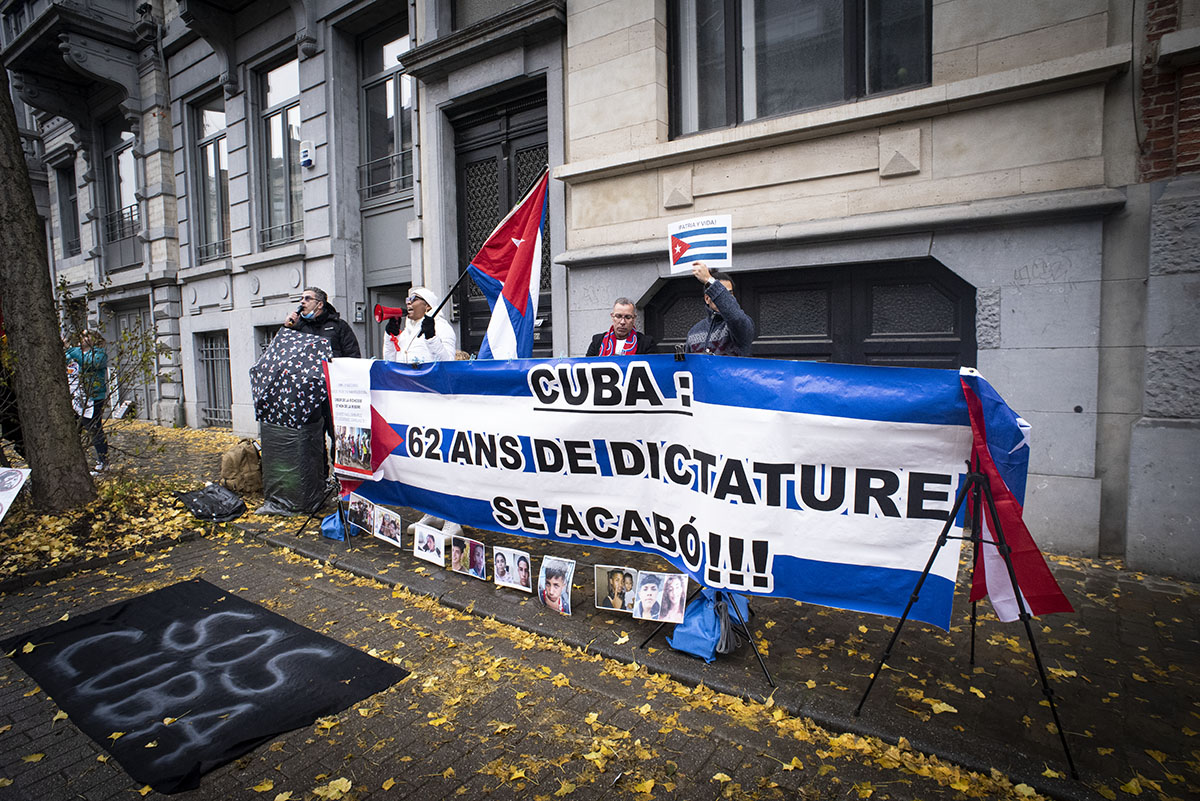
(727, 330)
(622, 338)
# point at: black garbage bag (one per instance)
(293, 468)
(214, 503)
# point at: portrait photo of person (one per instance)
(610, 587)
(510, 568)
(459, 555)
(674, 598)
(630, 580)
(477, 559)
(388, 525)
(649, 591)
(523, 572)
(554, 583)
(360, 514)
(429, 545)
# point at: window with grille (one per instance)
(283, 195)
(731, 61)
(212, 354)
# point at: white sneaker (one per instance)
(427, 520)
(451, 529)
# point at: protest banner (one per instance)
(821, 482)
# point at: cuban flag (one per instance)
(1000, 447)
(508, 269)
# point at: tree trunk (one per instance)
(60, 473)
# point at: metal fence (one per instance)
(213, 354)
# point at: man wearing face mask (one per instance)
(420, 338)
(317, 315)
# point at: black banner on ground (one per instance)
(182, 680)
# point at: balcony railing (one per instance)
(385, 176)
(121, 224)
(211, 251)
(282, 234)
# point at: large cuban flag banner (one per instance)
(825, 483)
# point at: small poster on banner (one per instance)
(429, 544)
(510, 568)
(360, 514)
(350, 400)
(614, 587)
(388, 525)
(11, 481)
(468, 556)
(661, 597)
(706, 239)
(554, 583)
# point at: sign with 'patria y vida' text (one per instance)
(820, 482)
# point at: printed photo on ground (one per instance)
(360, 513)
(661, 597)
(510, 568)
(429, 544)
(388, 525)
(611, 592)
(554, 583)
(468, 556)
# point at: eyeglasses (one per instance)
(623, 316)
(414, 298)
(307, 298)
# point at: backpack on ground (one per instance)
(241, 468)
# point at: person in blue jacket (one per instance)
(87, 373)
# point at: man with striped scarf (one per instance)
(622, 338)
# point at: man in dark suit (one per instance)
(623, 338)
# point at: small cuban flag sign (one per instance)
(706, 239)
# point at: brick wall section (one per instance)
(1170, 103)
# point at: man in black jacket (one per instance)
(317, 315)
(726, 330)
(622, 338)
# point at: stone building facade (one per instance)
(921, 182)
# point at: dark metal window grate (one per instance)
(283, 233)
(213, 355)
(121, 224)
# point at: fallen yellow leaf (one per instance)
(1133, 787)
(448, 773)
(644, 787)
(32, 758)
(4, 782)
(283, 796)
(263, 786)
(795, 764)
(624, 638)
(565, 788)
(517, 774)
(151, 744)
(643, 709)
(60, 715)
(116, 735)
(389, 784)
(591, 718)
(721, 777)
(145, 791)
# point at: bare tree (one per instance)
(60, 472)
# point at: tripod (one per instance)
(742, 625)
(979, 491)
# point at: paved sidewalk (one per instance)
(1125, 667)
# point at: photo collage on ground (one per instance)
(644, 594)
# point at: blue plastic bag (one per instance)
(705, 620)
(700, 630)
(332, 528)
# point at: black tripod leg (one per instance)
(659, 627)
(916, 593)
(314, 512)
(729, 599)
(1023, 613)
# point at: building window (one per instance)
(68, 209)
(264, 335)
(212, 351)
(737, 60)
(121, 222)
(283, 217)
(212, 190)
(387, 115)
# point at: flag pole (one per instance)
(463, 274)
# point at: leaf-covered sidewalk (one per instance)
(1125, 667)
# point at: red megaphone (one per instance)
(388, 312)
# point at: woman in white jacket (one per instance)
(420, 338)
